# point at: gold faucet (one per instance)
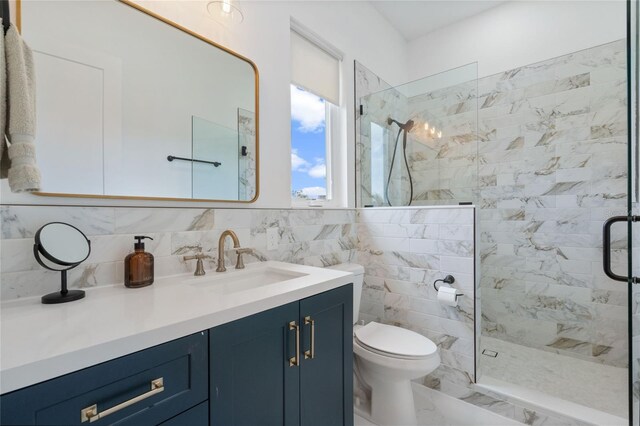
(236, 247)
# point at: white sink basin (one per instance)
(234, 281)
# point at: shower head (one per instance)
(404, 126)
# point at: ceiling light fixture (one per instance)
(226, 11)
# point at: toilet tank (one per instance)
(358, 278)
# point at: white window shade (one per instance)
(314, 69)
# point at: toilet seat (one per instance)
(394, 342)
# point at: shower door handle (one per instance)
(606, 248)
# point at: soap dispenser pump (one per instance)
(138, 266)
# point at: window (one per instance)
(315, 97)
(309, 145)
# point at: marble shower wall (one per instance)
(404, 251)
(310, 237)
(552, 153)
(445, 169)
(544, 159)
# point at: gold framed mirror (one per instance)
(132, 105)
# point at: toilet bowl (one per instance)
(388, 358)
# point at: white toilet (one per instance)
(388, 358)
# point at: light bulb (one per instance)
(433, 131)
(225, 11)
(426, 126)
(439, 135)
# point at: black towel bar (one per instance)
(193, 160)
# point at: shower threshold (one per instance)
(547, 404)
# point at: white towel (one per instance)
(4, 154)
(24, 175)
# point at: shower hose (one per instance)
(406, 163)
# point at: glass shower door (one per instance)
(418, 142)
(633, 222)
(634, 310)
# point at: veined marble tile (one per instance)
(17, 255)
(24, 221)
(92, 275)
(114, 248)
(29, 283)
(142, 220)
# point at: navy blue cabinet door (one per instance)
(326, 373)
(252, 383)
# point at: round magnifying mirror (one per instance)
(63, 244)
(60, 247)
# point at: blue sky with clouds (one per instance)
(308, 146)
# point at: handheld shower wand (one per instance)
(404, 128)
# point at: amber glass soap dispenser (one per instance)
(138, 266)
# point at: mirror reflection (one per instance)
(114, 105)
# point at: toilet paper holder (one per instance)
(449, 279)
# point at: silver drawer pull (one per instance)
(91, 413)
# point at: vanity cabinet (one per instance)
(290, 366)
(145, 388)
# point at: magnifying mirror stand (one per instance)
(64, 295)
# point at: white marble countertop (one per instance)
(40, 342)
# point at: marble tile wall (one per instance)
(550, 162)
(552, 168)
(541, 149)
(311, 237)
(404, 251)
(444, 164)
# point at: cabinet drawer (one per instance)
(121, 389)
(196, 416)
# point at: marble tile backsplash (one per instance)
(311, 237)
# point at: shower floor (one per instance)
(435, 408)
(600, 387)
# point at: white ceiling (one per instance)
(419, 17)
